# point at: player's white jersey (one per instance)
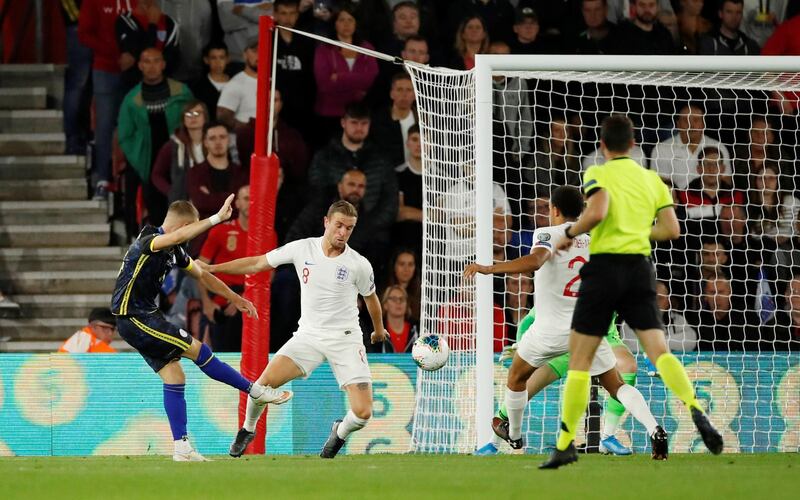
(329, 287)
(556, 283)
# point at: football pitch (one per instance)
(773, 476)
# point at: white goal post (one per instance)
(446, 97)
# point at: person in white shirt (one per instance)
(332, 275)
(675, 159)
(556, 281)
(596, 157)
(237, 100)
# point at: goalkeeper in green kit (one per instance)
(557, 369)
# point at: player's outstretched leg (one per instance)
(360, 396)
(675, 378)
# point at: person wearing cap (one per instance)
(94, 337)
(526, 39)
(237, 101)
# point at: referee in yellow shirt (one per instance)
(623, 199)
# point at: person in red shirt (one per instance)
(94, 337)
(96, 24)
(226, 242)
(457, 323)
(402, 329)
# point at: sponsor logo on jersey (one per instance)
(342, 273)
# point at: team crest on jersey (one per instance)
(231, 243)
(544, 236)
(342, 273)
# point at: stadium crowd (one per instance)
(172, 87)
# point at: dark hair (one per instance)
(401, 75)
(723, 2)
(286, 3)
(357, 110)
(415, 38)
(350, 9)
(214, 124)
(413, 287)
(568, 200)
(214, 45)
(709, 150)
(617, 133)
(413, 129)
(407, 3)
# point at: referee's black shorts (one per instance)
(623, 283)
(156, 339)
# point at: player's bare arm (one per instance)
(245, 265)
(188, 232)
(211, 282)
(209, 306)
(596, 210)
(525, 264)
(376, 314)
(666, 227)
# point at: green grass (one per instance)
(728, 477)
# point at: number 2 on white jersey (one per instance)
(568, 289)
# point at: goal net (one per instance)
(498, 139)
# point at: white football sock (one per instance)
(515, 408)
(252, 414)
(634, 402)
(350, 424)
(610, 424)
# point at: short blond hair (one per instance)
(342, 207)
(183, 209)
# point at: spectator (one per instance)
(706, 194)
(226, 242)
(599, 35)
(785, 41)
(407, 231)
(352, 150)
(146, 26)
(76, 79)
(456, 322)
(8, 308)
(760, 148)
(239, 21)
(405, 23)
(511, 111)
(343, 76)
(148, 113)
(96, 31)
(471, 39)
(95, 337)
(294, 73)
(620, 10)
(237, 101)
(535, 215)
(501, 251)
(518, 301)
(711, 261)
(784, 334)
(596, 157)
(404, 272)
(555, 161)
(526, 39)
(761, 18)
(720, 327)
(644, 34)
(680, 336)
(293, 153)
(691, 24)
(402, 329)
(728, 39)
(390, 126)
(181, 153)
(774, 212)
(208, 87)
(195, 30)
(211, 182)
(497, 17)
(675, 159)
(416, 49)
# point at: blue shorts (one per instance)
(157, 340)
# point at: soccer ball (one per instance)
(430, 352)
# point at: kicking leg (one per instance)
(360, 397)
(675, 378)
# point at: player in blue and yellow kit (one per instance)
(148, 260)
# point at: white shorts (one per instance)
(537, 350)
(348, 360)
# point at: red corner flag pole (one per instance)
(264, 168)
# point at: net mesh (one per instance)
(725, 142)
